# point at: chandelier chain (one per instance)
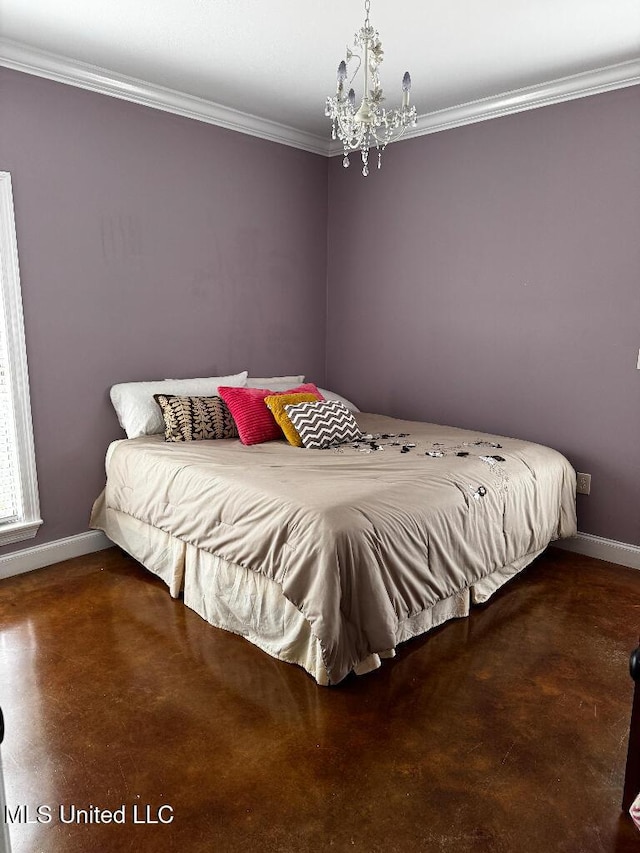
(367, 9)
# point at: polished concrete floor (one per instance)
(502, 733)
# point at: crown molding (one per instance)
(518, 100)
(21, 57)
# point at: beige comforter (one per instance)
(359, 538)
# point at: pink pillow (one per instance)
(253, 419)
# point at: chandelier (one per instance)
(370, 124)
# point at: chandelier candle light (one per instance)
(370, 124)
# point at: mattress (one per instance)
(363, 546)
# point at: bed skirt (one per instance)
(247, 603)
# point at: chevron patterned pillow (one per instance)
(276, 403)
(323, 424)
(195, 418)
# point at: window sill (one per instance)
(18, 531)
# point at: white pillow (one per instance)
(331, 395)
(139, 414)
(275, 383)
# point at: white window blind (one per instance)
(19, 504)
(9, 472)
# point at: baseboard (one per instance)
(602, 549)
(39, 556)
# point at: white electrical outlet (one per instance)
(583, 484)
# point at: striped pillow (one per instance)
(323, 424)
(253, 419)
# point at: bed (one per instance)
(331, 558)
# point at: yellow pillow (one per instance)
(276, 404)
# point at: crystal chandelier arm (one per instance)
(351, 55)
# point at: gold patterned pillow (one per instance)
(276, 404)
(195, 418)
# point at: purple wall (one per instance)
(150, 246)
(489, 277)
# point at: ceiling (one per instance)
(277, 59)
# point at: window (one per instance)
(19, 504)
